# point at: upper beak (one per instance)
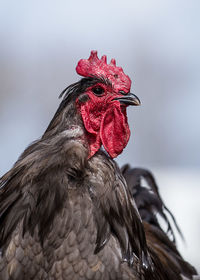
(129, 99)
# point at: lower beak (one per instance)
(129, 99)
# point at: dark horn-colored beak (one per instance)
(129, 99)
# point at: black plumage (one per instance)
(167, 261)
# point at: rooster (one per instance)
(65, 209)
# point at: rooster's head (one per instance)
(101, 99)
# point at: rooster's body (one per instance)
(65, 209)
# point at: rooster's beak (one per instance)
(129, 99)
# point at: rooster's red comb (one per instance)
(93, 66)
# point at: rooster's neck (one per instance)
(67, 121)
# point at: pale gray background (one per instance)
(156, 42)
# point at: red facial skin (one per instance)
(105, 121)
(104, 118)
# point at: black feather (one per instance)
(168, 263)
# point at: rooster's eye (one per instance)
(98, 91)
(122, 92)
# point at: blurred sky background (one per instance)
(158, 45)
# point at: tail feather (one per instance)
(168, 262)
